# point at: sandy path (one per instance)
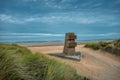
(97, 65)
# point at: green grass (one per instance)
(14, 49)
(115, 44)
(108, 46)
(93, 45)
(18, 63)
(10, 69)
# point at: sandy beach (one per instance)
(96, 65)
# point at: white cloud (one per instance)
(6, 18)
(31, 19)
(54, 4)
(66, 19)
(56, 35)
(60, 18)
(31, 34)
(69, 4)
(9, 19)
(45, 19)
(101, 35)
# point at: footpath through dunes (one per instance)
(96, 65)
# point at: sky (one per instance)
(89, 19)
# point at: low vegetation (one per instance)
(93, 45)
(109, 46)
(18, 63)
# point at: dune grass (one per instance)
(10, 69)
(112, 47)
(18, 63)
(93, 45)
(115, 44)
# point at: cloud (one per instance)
(100, 35)
(31, 34)
(6, 18)
(9, 19)
(52, 4)
(64, 17)
(55, 35)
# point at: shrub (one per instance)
(93, 45)
(117, 43)
(104, 44)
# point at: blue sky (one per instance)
(99, 18)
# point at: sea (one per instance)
(19, 35)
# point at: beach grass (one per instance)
(109, 46)
(18, 63)
(93, 45)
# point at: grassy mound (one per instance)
(109, 46)
(10, 68)
(18, 63)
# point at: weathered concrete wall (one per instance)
(69, 44)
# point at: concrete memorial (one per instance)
(70, 44)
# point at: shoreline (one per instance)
(40, 44)
(56, 41)
(50, 43)
(46, 44)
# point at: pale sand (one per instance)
(97, 65)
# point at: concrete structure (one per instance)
(70, 44)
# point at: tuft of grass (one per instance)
(10, 69)
(36, 65)
(57, 70)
